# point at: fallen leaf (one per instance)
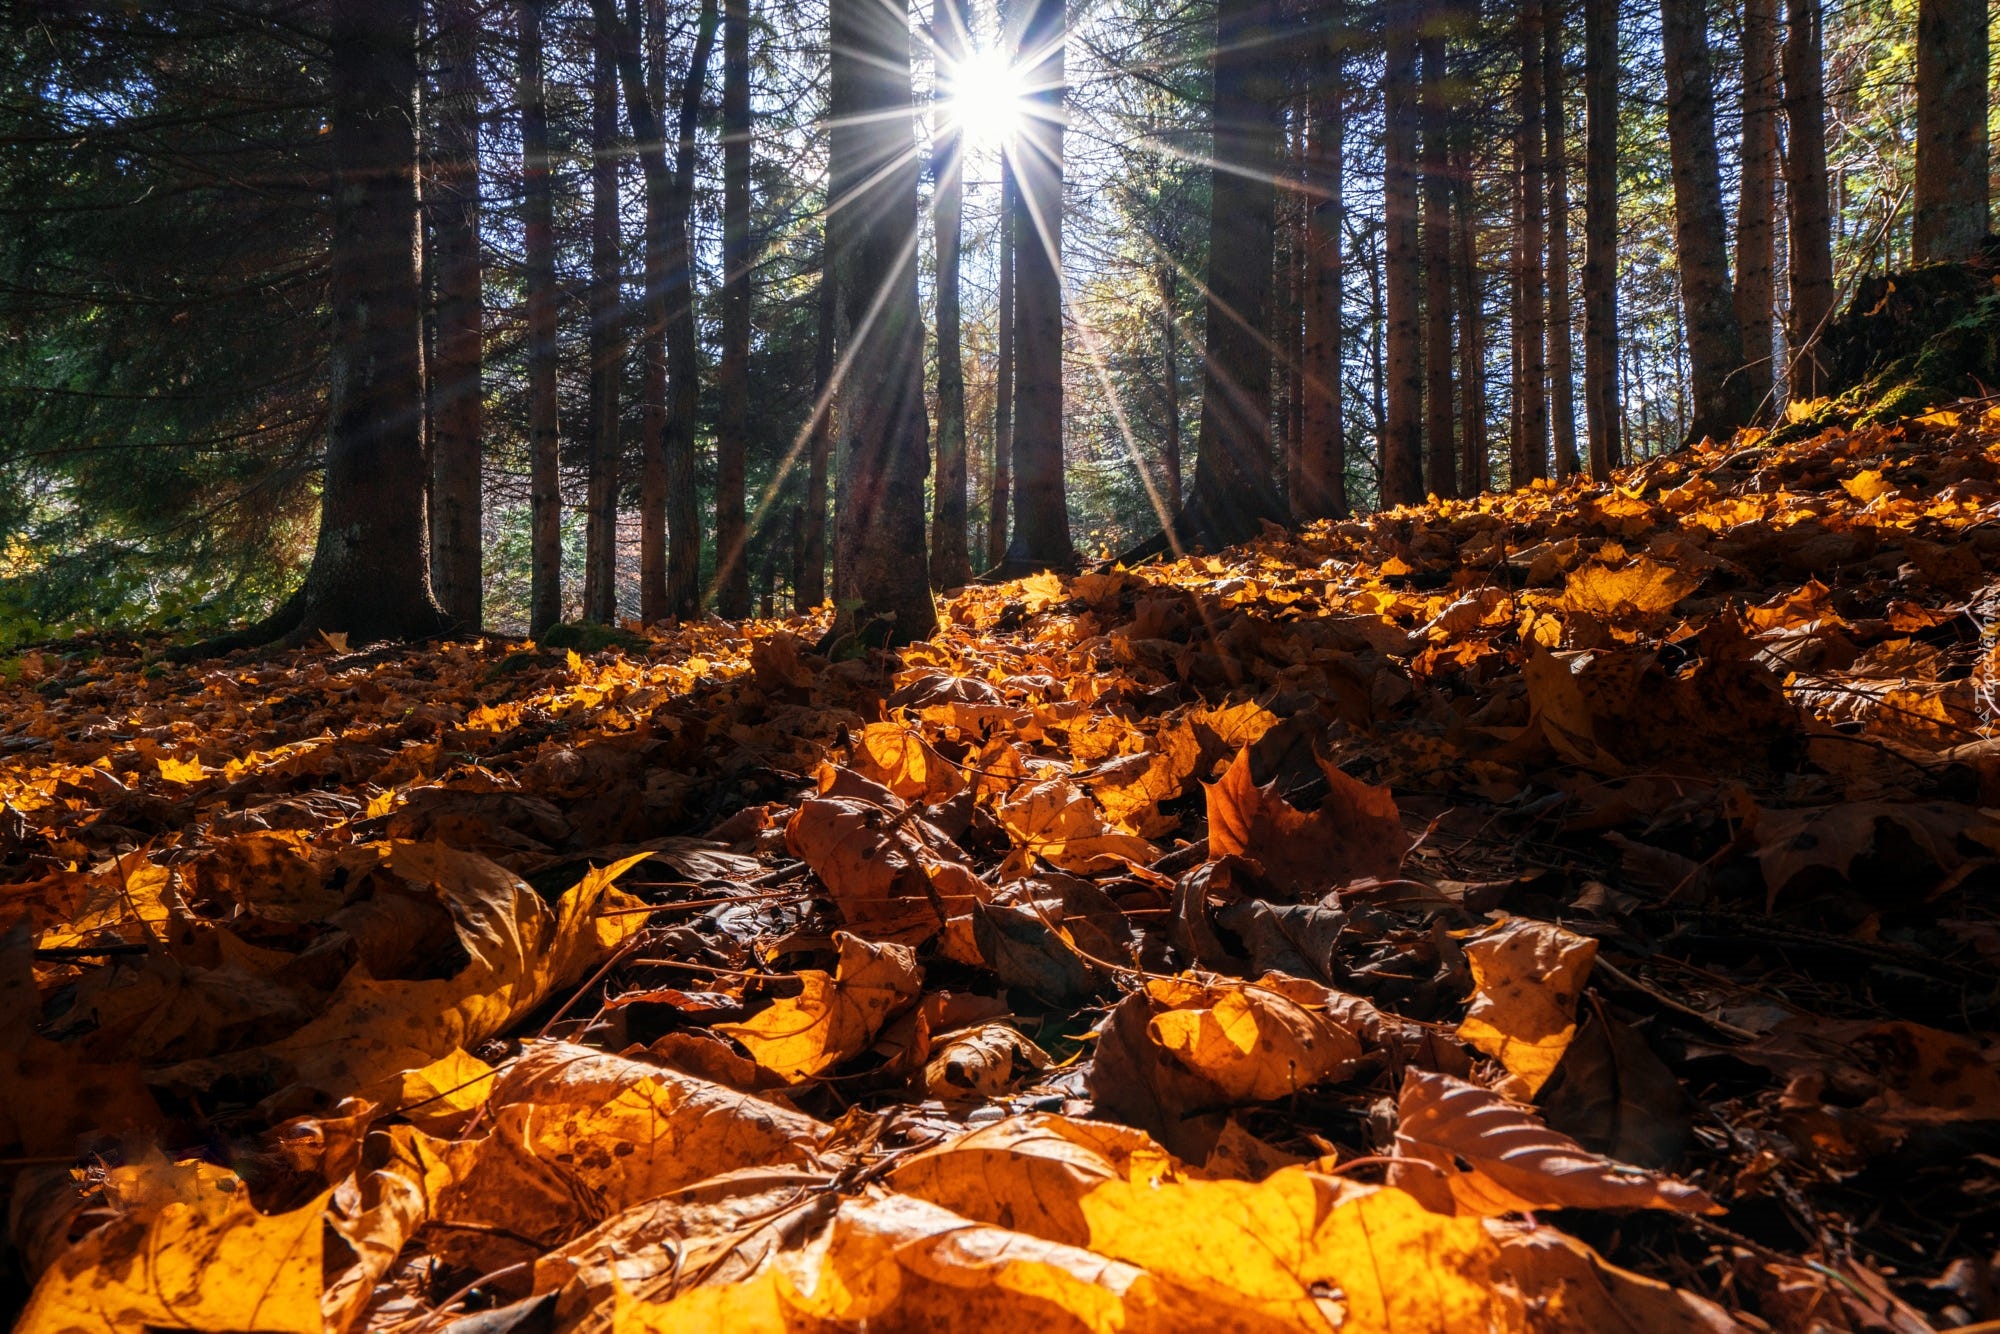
(1527, 977)
(1498, 1157)
(834, 1017)
(1356, 832)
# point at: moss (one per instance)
(590, 637)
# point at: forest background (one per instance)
(166, 422)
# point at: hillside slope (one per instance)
(1544, 911)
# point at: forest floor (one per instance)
(1573, 909)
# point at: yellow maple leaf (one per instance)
(835, 1016)
(174, 769)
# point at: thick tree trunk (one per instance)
(371, 573)
(1809, 228)
(999, 499)
(1951, 198)
(1041, 510)
(1323, 465)
(458, 421)
(950, 564)
(811, 585)
(1529, 447)
(606, 340)
(1440, 455)
(872, 213)
(538, 277)
(732, 436)
(1234, 487)
(1722, 401)
(1473, 467)
(1167, 281)
(1756, 197)
(652, 325)
(1402, 451)
(670, 295)
(1561, 360)
(1602, 414)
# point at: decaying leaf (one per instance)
(1356, 832)
(834, 1017)
(186, 1250)
(1497, 1157)
(1527, 978)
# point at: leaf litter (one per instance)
(1571, 909)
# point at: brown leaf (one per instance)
(1497, 1157)
(1527, 977)
(1356, 832)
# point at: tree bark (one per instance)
(1756, 197)
(872, 214)
(1809, 228)
(951, 567)
(1402, 451)
(1323, 465)
(811, 585)
(1722, 401)
(652, 323)
(1292, 309)
(999, 500)
(539, 278)
(670, 296)
(1529, 447)
(1473, 467)
(606, 339)
(371, 570)
(1601, 409)
(1440, 455)
(1167, 280)
(1561, 360)
(1233, 485)
(1950, 219)
(458, 420)
(732, 436)
(1041, 509)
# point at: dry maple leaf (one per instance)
(1357, 831)
(1527, 978)
(186, 1251)
(1255, 1044)
(1057, 822)
(1498, 1157)
(834, 1017)
(1641, 589)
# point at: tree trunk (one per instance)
(950, 565)
(1293, 311)
(670, 303)
(1722, 401)
(1602, 414)
(1440, 456)
(1323, 465)
(606, 340)
(1808, 238)
(1473, 468)
(1041, 510)
(999, 500)
(872, 213)
(458, 421)
(1949, 221)
(732, 436)
(1756, 196)
(539, 278)
(1529, 448)
(811, 585)
(1167, 280)
(371, 569)
(1233, 483)
(653, 327)
(1561, 362)
(1402, 452)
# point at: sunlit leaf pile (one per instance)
(1564, 910)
